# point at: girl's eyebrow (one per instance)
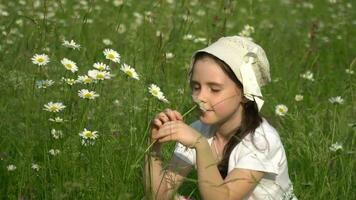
(209, 83)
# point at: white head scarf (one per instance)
(247, 60)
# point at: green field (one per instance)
(311, 50)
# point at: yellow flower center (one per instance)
(53, 108)
(88, 80)
(100, 76)
(129, 73)
(40, 60)
(88, 134)
(88, 95)
(111, 56)
(154, 92)
(69, 66)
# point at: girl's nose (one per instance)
(201, 96)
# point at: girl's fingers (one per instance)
(178, 115)
(157, 122)
(170, 114)
(167, 129)
(163, 117)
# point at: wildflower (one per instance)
(169, 55)
(335, 147)
(40, 59)
(69, 65)
(88, 137)
(98, 75)
(11, 167)
(156, 92)
(281, 110)
(54, 107)
(199, 39)
(188, 37)
(349, 71)
(101, 66)
(336, 100)
(69, 81)
(247, 31)
(86, 94)
(299, 97)
(129, 71)
(56, 134)
(308, 75)
(71, 44)
(121, 29)
(84, 79)
(200, 103)
(35, 167)
(112, 55)
(56, 119)
(44, 83)
(54, 152)
(107, 41)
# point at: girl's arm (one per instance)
(236, 185)
(163, 184)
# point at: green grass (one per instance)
(296, 38)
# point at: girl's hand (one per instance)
(177, 131)
(162, 118)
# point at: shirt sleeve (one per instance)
(262, 153)
(187, 154)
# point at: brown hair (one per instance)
(251, 118)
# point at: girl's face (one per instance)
(217, 93)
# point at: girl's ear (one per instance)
(244, 99)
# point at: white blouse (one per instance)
(269, 157)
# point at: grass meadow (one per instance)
(311, 50)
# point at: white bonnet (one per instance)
(246, 59)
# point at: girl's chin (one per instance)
(206, 117)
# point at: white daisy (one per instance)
(188, 37)
(56, 119)
(44, 83)
(11, 167)
(281, 110)
(40, 59)
(112, 55)
(35, 166)
(54, 152)
(335, 147)
(88, 137)
(69, 65)
(107, 42)
(56, 134)
(200, 103)
(299, 97)
(199, 39)
(84, 79)
(71, 44)
(54, 107)
(129, 71)
(308, 75)
(336, 100)
(69, 81)
(101, 66)
(349, 71)
(86, 94)
(99, 75)
(247, 31)
(156, 92)
(169, 55)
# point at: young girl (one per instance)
(236, 152)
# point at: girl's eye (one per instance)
(215, 90)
